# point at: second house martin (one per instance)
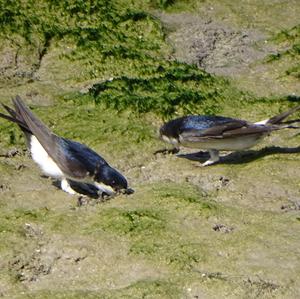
(217, 133)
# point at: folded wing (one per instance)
(229, 129)
(74, 159)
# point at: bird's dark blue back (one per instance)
(202, 122)
(177, 126)
(79, 153)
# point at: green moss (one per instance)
(10, 134)
(96, 71)
(185, 195)
(170, 88)
(132, 222)
(122, 46)
(290, 40)
(117, 29)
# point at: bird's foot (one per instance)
(214, 158)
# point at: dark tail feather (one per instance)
(37, 128)
(22, 125)
(10, 111)
(15, 118)
(23, 113)
(277, 119)
(9, 118)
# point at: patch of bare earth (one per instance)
(227, 50)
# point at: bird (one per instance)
(64, 159)
(219, 133)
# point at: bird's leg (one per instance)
(65, 186)
(214, 157)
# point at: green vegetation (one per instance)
(123, 47)
(290, 40)
(102, 73)
(173, 87)
(171, 4)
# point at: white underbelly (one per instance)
(226, 144)
(41, 157)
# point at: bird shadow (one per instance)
(242, 156)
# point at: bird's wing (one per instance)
(56, 147)
(249, 130)
(76, 159)
(230, 129)
(214, 131)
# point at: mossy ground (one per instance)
(226, 231)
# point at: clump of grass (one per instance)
(172, 87)
(291, 40)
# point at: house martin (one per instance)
(64, 159)
(217, 133)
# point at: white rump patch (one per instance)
(41, 157)
(262, 122)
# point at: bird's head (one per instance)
(110, 181)
(169, 132)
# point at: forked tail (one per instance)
(15, 117)
(278, 120)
